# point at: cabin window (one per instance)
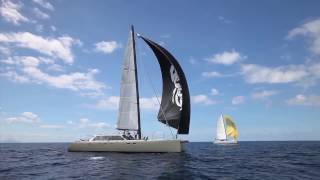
(107, 138)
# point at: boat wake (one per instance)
(97, 158)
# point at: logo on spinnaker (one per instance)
(177, 91)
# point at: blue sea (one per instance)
(246, 160)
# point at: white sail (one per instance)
(128, 106)
(221, 132)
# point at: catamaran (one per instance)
(227, 132)
(174, 107)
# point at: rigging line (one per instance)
(145, 72)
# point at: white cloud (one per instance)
(214, 92)
(55, 47)
(40, 14)
(310, 30)
(25, 117)
(22, 61)
(52, 126)
(30, 115)
(226, 58)
(44, 4)
(150, 103)
(27, 70)
(211, 74)
(10, 12)
(74, 81)
(283, 74)
(15, 77)
(86, 123)
(263, 94)
(107, 46)
(238, 100)
(202, 99)
(4, 50)
(109, 103)
(112, 103)
(304, 100)
(56, 67)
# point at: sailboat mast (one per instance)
(136, 73)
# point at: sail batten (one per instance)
(175, 102)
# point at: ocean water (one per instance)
(246, 160)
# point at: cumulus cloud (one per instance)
(211, 74)
(52, 126)
(15, 77)
(226, 57)
(283, 74)
(10, 11)
(74, 81)
(263, 94)
(54, 47)
(25, 117)
(4, 50)
(238, 100)
(109, 103)
(107, 47)
(44, 4)
(214, 92)
(311, 30)
(26, 70)
(55, 67)
(150, 103)
(86, 123)
(40, 14)
(304, 100)
(202, 99)
(22, 61)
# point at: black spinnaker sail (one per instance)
(175, 102)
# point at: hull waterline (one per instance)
(135, 146)
(225, 141)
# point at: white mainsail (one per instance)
(128, 106)
(221, 131)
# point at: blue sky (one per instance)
(60, 66)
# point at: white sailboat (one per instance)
(227, 132)
(174, 108)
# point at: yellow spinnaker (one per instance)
(231, 128)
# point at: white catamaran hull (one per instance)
(128, 146)
(217, 141)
